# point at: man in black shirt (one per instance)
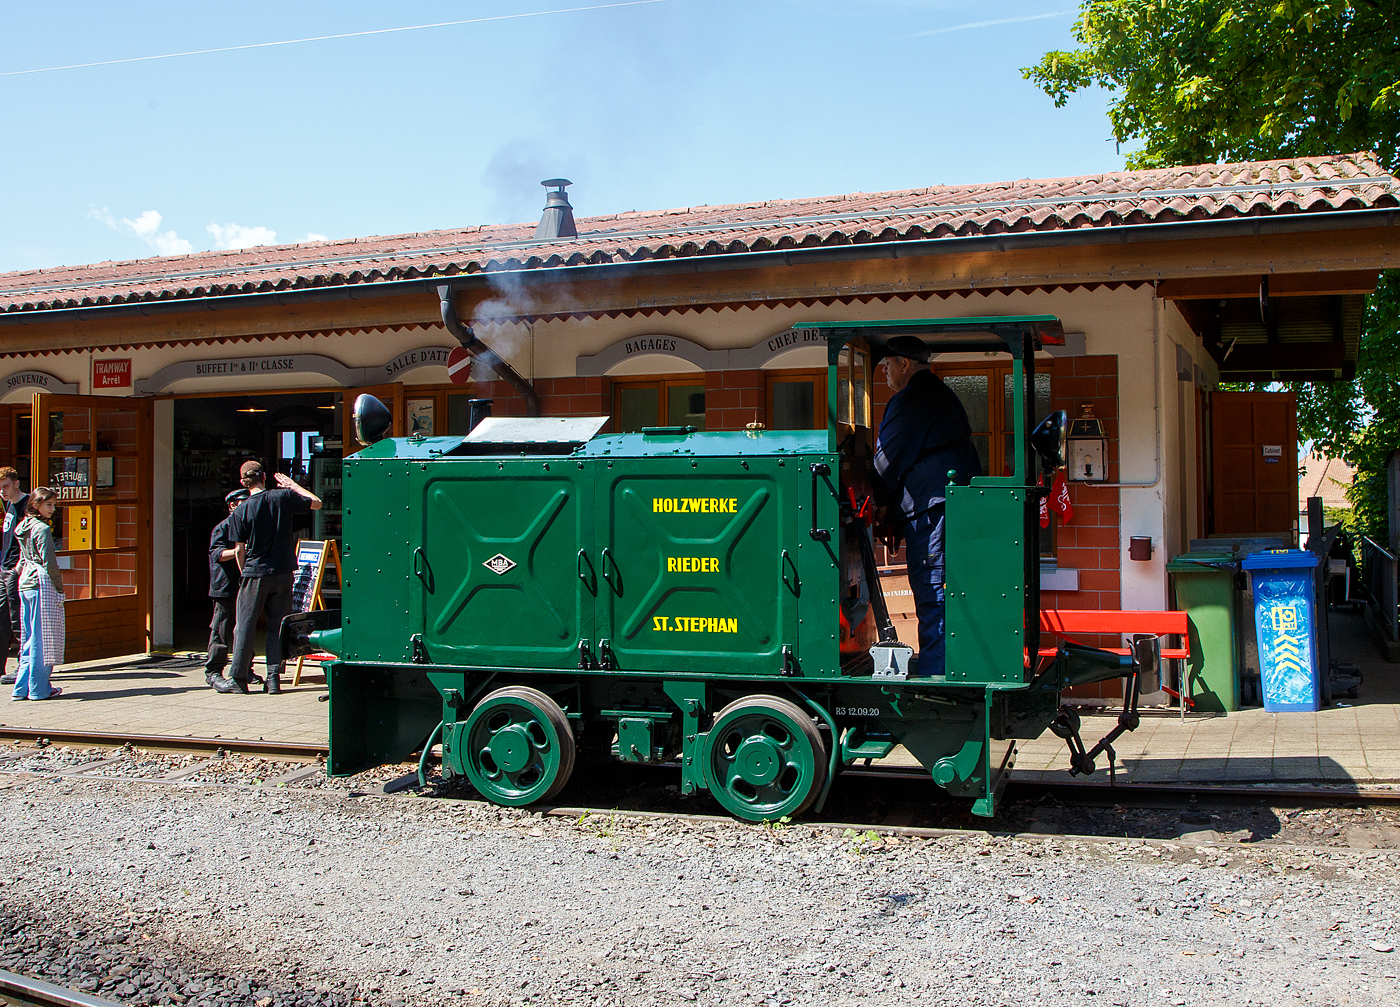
(15, 500)
(265, 543)
(223, 589)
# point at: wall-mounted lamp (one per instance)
(1140, 548)
(1088, 448)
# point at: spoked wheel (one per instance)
(516, 747)
(764, 758)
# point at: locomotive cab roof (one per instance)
(1019, 335)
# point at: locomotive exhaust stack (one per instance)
(704, 597)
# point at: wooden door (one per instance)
(390, 395)
(95, 452)
(1254, 463)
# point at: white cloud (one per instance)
(238, 236)
(146, 227)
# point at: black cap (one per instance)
(236, 496)
(909, 346)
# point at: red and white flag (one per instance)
(1059, 499)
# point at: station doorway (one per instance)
(297, 433)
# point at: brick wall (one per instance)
(734, 399)
(1089, 543)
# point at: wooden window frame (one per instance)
(819, 400)
(997, 375)
(663, 383)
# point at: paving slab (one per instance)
(158, 695)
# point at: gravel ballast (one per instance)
(270, 897)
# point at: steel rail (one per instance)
(1085, 788)
(15, 988)
(286, 749)
(584, 811)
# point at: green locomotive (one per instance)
(535, 588)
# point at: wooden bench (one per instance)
(1069, 623)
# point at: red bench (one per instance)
(1070, 623)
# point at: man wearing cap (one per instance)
(923, 436)
(265, 549)
(223, 589)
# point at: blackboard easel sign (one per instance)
(312, 557)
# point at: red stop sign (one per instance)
(459, 366)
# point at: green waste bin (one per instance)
(1205, 588)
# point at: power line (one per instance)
(326, 38)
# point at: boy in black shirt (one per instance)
(261, 527)
(223, 589)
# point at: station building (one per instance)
(137, 388)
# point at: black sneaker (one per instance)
(227, 685)
(8, 679)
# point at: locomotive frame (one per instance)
(675, 595)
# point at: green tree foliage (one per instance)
(1198, 81)
(1201, 81)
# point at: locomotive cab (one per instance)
(704, 598)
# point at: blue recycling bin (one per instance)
(1286, 627)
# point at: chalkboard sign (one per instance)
(311, 567)
(312, 558)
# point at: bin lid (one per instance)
(1200, 562)
(1281, 559)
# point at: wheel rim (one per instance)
(514, 749)
(765, 761)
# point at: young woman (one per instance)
(40, 599)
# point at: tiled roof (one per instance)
(1160, 196)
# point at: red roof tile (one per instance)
(1160, 196)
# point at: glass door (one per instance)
(94, 452)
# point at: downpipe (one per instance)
(463, 334)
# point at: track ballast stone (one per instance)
(272, 897)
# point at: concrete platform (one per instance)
(1357, 743)
(149, 695)
(1354, 741)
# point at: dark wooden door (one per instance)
(1254, 447)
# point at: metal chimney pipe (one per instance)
(484, 353)
(557, 221)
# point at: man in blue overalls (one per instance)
(923, 436)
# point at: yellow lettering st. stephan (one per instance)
(692, 564)
(695, 505)
(692, 624)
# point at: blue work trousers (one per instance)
(33, 676)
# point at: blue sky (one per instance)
(675, 103)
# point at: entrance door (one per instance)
(95, 452)
(390, 395)
(1254, 461)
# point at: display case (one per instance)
(325, 483)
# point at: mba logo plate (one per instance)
(499, 565)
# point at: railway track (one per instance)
(23, 991)
(164, 742)
(894, 800)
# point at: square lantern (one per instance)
(1088, 448)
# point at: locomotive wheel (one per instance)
(764, 758)
(517, 747)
